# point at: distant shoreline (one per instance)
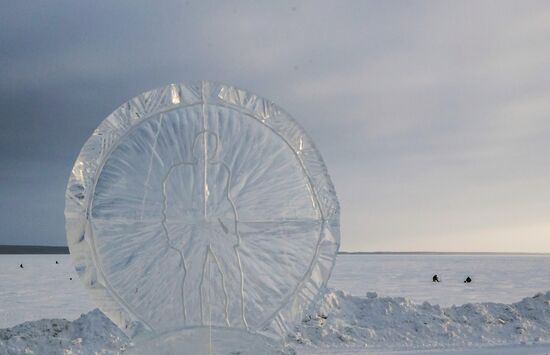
(44, 249)
(32, 249)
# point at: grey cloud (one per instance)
(432, 117)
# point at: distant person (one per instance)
(56, 262)
(435, 278)
(21, 266)
(468, 280)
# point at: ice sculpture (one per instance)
(203, 215)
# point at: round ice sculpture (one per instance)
(201, 214)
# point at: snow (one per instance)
(497, 278)
(387, 322)
(342, 324)
(537, 349)
(42, 289)
(382, 321)
(92, 333)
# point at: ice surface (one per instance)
(201, 205)
(42, 290)
(497, 278)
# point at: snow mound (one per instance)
(341, 319)
(92, 333)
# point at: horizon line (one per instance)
(63, 249)
(424, 252)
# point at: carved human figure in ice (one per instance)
(201, 224)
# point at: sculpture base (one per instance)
(206, 341)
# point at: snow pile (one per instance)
(385, 322)
(340, 320)
(92, 333)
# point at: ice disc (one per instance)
(201, 206)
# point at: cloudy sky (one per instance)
(433, 117)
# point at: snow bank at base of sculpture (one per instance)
(92, 333)
(341, 321)
(206, 341)
(396, 322)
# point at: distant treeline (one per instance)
(32, 249)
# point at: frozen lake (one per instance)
(496, 278)
(43, 289)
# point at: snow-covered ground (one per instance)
(394, 322)
(42, 289)
(497, 278)
(347, 322)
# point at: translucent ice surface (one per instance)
(202, 206)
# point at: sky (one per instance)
(433, 117)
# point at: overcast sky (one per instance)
(433, 117)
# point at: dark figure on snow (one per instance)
(468, 280)
(435, 278)
(56, 262)
(21, 266)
